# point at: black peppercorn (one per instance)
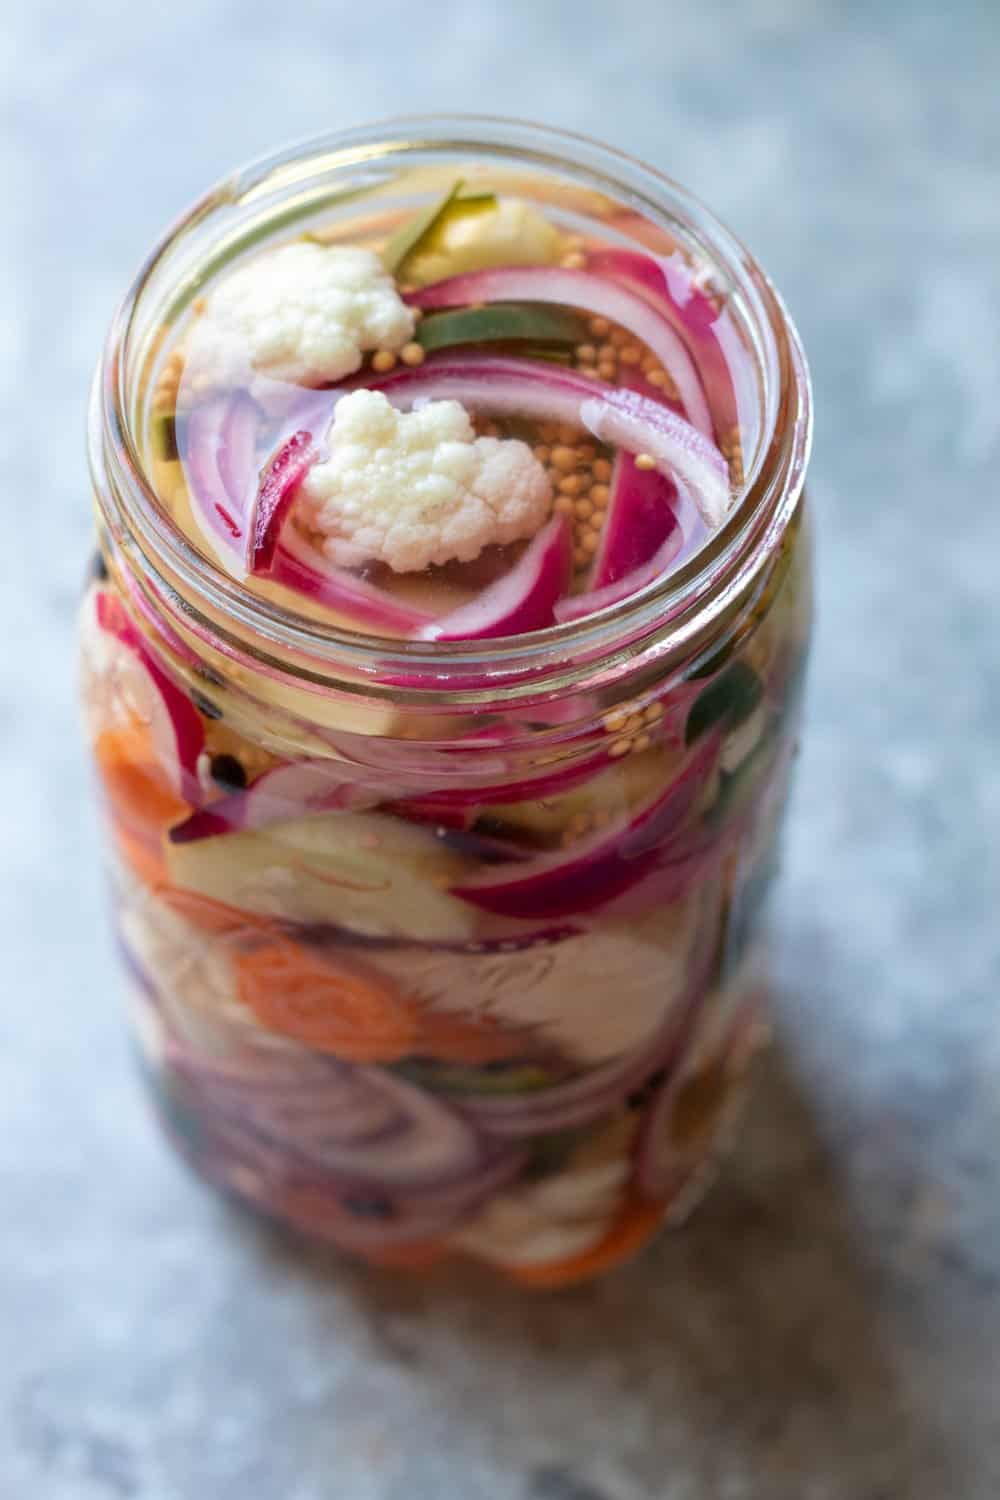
(228, 772)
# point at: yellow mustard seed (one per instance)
(642, 742)
(583, 509)
(568, 433)
(614, 721)
(570, 484)
(586, 352)
(602, 469)
(645, 461)
(630, 354)
(580, 557)
(574, 261)
(589, 542)
(543, 453)
(656, 377)
(599, 494)
(618, 337)
(587, 452)
(563, 458)
(652, 713)
(618, 748)
(383, 360)
(607, 371)
(412, 354)
(564, 505)
(599, 327)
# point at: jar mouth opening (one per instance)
(674, 611)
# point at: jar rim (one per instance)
(666, 617)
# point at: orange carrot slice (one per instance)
(143, 860)
(466, 1039)
(209, 915)
(305, 995)
(636, 1224)
(141, 798)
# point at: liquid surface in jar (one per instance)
(465, 422)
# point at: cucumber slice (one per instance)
(503, 322)
(163, 438)
(421, 232)
(728, 700)
(375, 875)
(510, 232)
(456, 1078)
(613, 792)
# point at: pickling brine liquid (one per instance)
(446, 945)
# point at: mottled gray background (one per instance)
(828, 1327)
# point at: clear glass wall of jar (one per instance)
(448, 950)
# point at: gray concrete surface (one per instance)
(828, 1326)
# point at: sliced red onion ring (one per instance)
(620, 417)
(125, 668)
(362, 1125)
(595, 871)
(640, 519)
(218, 443)
(280, 1156)
(579, 605)
(298, 566)
(630, 421)
(640, 539)
(596, 295)
(723, 361)
(358, 1223)
(279, 481)
(280, 794)
(545, 784)
(237, 450)
(521, 600)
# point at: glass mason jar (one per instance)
(449, 949)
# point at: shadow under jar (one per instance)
(448, 947)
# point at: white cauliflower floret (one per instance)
(411, 489)
(303, 312)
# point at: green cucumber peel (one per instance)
(729, 699)
(163, 437)
(533, 323)
(419, 232)
(454, 1078)
(737, 789)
